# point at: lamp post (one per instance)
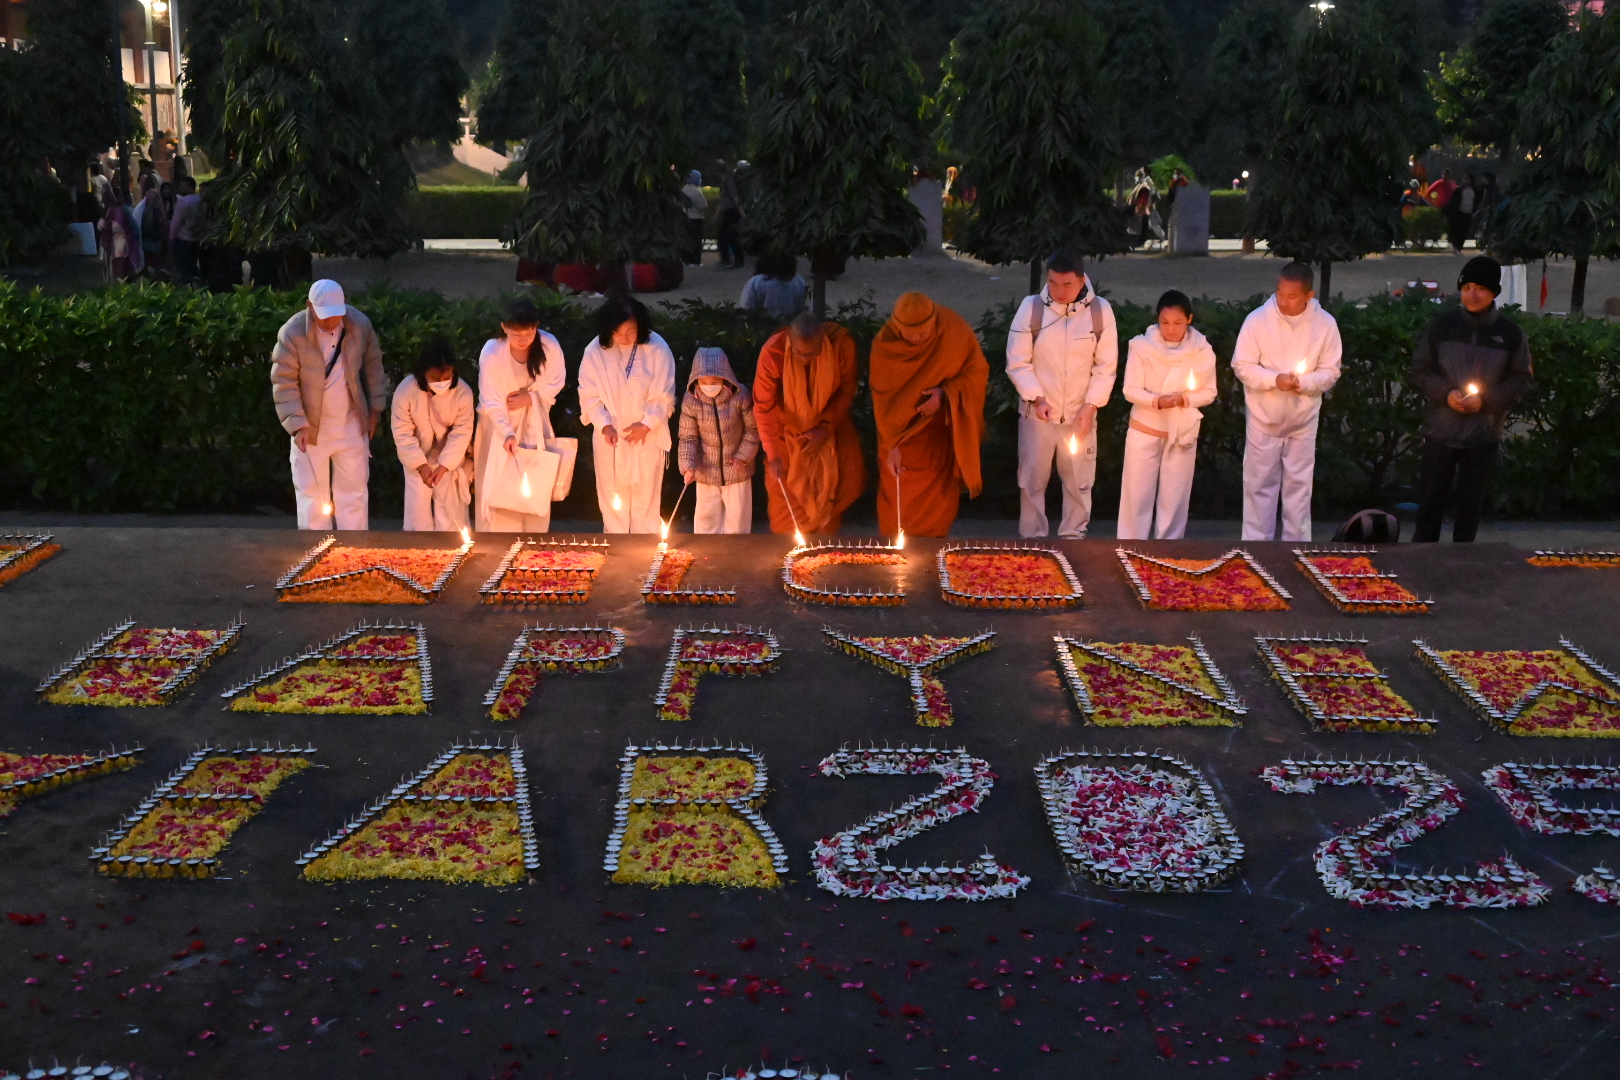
(123, 103)
(151, 66)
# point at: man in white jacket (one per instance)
(1287, 356)
(1062, 353)
(627, 392)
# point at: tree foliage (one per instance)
(601, 189)
(1564, 199)
(408, 49)
(510, 88)
(1245, 73)
(30, 205)
(1029, 113)
(706, 47)
(306, 159)
(1143, 64)
(74, 83)
(1344, 124)
(833, 134)
(207, 24)
(1478, 87)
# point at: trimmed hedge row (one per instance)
(455, 212)
(153, 398)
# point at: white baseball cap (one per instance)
(326, 297)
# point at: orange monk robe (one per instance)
(939, 454)
(790, 398)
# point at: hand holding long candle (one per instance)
(663, 532)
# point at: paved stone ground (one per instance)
(259, 974)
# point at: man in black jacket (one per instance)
(1471, 365)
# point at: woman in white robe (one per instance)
(520, 374)
(432, 420)
(1169, 374)
(627, 393)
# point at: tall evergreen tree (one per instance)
(1030, 116)
(30, 217)
(75, 86)
(1143, 63)
(510, 89)
(207, 24)
(833, 134)
(707, 48)
(1564, 199)
(408, 48)
(1245, 72)
(307, 165)
(601, 189)
(1342, 130)
(1479, 85)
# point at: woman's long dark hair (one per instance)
(522, 312)
(614, 313)
(436, 353)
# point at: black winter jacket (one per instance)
(1459, 348)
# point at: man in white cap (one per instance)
(1287, 356)
(327, 380)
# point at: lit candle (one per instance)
(1074, 445)
(1302, 367)
(466, 535)
(618, 503)
(1192, 381)
(524, 489)
(1473, 389)
(326, 508)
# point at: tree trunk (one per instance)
(1326, 291)
(1034, 276)
(1577, 290)
(818, 290)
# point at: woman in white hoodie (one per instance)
(1169, 374)
(520, 375)
(627, 393)
(432, 421)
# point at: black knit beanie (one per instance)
(1484, 271)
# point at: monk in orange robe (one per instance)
(928, 379)
(803, 388)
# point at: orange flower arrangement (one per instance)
(1352, 583)
(20, 553)
(331, 574)
(1137, 685)
(1560, 692)
(1007, 577)
(545, 572)
(667, 574)
(800, 566)
(1588, 559)
(1233, 582)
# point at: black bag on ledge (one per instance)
(1370, 527)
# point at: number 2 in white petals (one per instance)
(1527, 790)
(849, 863)
(1349, 863)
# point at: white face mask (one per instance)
(440, 387)
(710, 389)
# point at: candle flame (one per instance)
(798, 537)
(326, 509)
(618, 503)
(1473, 388)
(524, 487)
(466, 535)
(1301, 367)
(663, 530)
(1192, 381)
(900, 541)
(1074, 444)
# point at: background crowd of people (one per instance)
(495, 462)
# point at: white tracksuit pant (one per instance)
(330, 482)
(1157, 481)
(635, 473)
(727, 509)
(1276, 465)
(1038, 443)
(441, 508)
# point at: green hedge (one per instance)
(1227, 209)
(464, 213)
(152, 398)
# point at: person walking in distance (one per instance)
(1169, 374)
(1287, 357)
(1472, 366)
(327, 380)
(1062, 355)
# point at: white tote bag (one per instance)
(567, 451)
(524, 480)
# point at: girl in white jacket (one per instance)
(432, 421)
(627, 392)
(1169, 374)
(520, 375)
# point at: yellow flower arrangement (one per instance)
(693, 845)
(379, 687)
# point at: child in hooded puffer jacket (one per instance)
(718, 443)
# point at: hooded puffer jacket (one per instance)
(718, 433)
